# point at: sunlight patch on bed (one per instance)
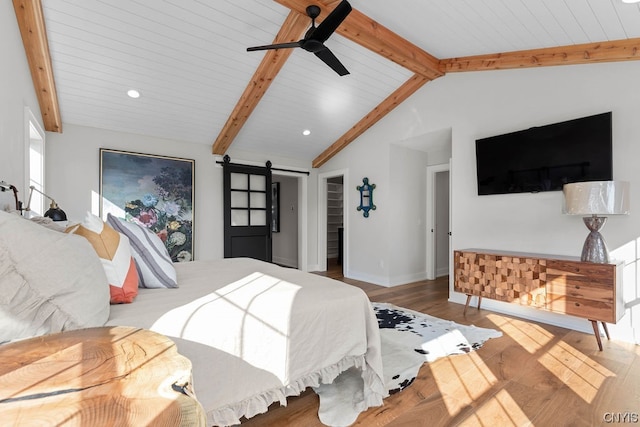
(529, 336)
(241, 308)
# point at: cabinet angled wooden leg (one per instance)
(464, 312)
(606, 330)
(596, 331)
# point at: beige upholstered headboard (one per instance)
(8, 197)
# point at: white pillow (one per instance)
(49, 223)
(12, 326)
(154, 264)
(49, 281)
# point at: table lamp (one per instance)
(54, 212)
(596, 198)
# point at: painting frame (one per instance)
(154, 191)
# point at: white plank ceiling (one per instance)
(188, 59)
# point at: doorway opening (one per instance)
(438, 221)
(333, 241)
(285, 229)
(335, 225)
(290, 244)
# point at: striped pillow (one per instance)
(152, 258)
(114, 252)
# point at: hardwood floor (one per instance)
(534, 375)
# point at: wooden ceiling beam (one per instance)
(292, 29)
(30, 19)
(368, 33)
(588, 53)
(384, 108)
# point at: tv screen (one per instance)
(545, 158)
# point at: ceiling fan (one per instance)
(315, 37)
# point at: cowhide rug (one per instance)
(409, 338)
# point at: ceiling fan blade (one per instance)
(274, 46)
(332, 61)
(331, 22)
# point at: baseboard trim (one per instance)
(287, 262)
(533, 314)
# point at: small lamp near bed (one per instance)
(54, 212)
(596, 199)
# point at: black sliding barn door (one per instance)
(247, 211)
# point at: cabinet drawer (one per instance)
(580, 272)
(581, 307)
(589, 292)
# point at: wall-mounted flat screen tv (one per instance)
(544, 158)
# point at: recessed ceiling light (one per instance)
(306, 132)
(630, 1)
(133, 93)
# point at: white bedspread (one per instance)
(256, 333)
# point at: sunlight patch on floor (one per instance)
(500, 410)
(530, 336)
(466, 385)
(583, 375)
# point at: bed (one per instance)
(255, 333)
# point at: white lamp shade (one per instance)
(596, 198)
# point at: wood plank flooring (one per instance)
(534, 375)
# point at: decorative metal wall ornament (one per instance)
(366, 197)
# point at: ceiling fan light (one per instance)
(132, 93)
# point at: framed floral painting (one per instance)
(153, 191)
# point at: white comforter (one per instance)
(256, 333)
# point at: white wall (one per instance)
(482, 104)
(388, 248)
(407, 202)
(366, 239)
(16, 93)
(73, 174)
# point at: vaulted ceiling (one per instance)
(198, 83)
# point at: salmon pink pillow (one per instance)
(114, 252)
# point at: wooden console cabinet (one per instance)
(557, 284)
